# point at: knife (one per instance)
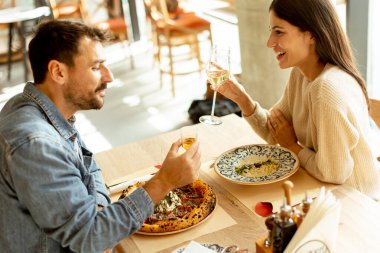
(118, 187)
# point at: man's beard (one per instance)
(82, 102)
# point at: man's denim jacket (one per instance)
(49, 191)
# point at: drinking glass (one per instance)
(218, 72)
(189, 135)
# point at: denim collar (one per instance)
(62, 125)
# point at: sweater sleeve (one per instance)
(331, 160)
(258, 120)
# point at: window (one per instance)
(373, 73)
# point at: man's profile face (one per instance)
(88, 78)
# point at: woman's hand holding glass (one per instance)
(233, 90)
(218, 72)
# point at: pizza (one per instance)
(180, 209)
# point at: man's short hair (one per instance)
(59, 40)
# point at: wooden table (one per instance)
(360, 217)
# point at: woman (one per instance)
(323, 113)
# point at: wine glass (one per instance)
(189, 135)
(218, 72)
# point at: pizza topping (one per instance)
(176, 204)
(169, 203)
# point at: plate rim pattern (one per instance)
(207, 245)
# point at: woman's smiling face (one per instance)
(292, 47)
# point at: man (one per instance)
(52, 195)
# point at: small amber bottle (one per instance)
(297, 215)
(306, 203)
(299, 212)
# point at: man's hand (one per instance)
(283, 131)
(177, 170)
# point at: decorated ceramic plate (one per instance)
(256, 164)
(215, 247)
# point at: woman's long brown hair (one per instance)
(320, 19)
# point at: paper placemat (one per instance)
(249, 195)
(136, 174)
(116, 194)
(154, 243)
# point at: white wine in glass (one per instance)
(218, 72)
(187, 142)
(189, 135)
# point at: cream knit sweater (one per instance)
(331, 121)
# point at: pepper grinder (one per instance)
(269, 224)
(283, 229)
(287, 186)
(296, 214)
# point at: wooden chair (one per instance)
(22, 21)
(150, 29)
(113, 22)
(73, 9)
(4, 31)
(7, 3)
(153, 35)
(172, 30)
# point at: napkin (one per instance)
(194, 247)
(319, 230)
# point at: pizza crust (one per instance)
(130, 189)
